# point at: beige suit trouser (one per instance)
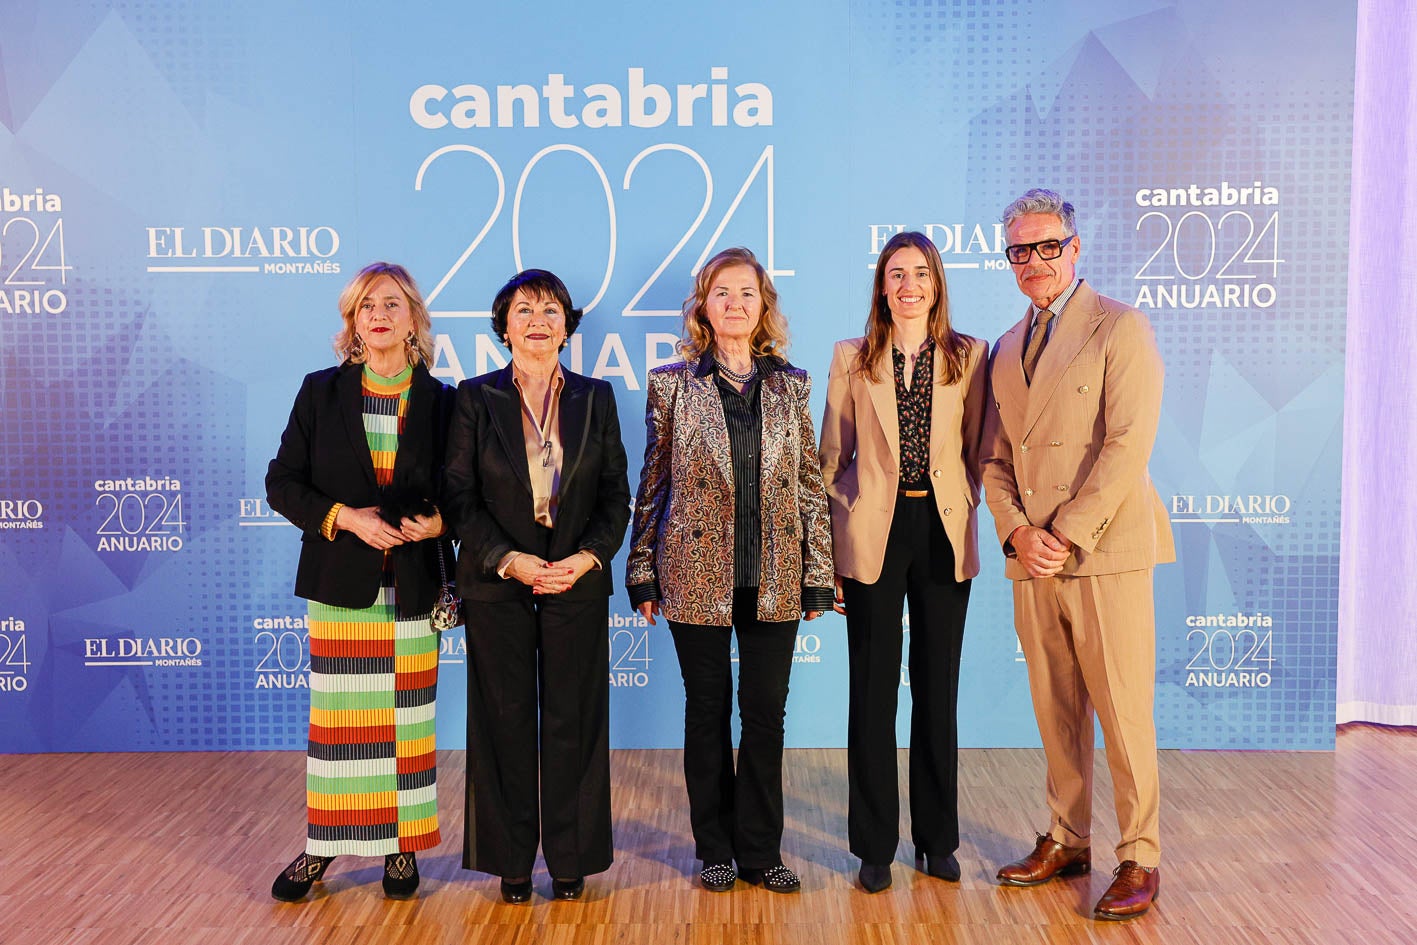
(1090, 644)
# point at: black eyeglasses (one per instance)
(1046, 249)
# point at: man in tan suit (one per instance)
(1076, 397)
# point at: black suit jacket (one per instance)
(324, 458)
(487, 487)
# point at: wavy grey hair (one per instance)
(1039, 200)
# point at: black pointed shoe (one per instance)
(875, 877)
(400, 875)
(516, 891)
(940, 867)
(296, 879)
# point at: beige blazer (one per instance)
(1070, 451)
(861, 460)
(681, 537)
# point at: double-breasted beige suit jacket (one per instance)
(1070, 450)
(860, 454)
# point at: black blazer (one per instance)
(487, 488)
(324, 458)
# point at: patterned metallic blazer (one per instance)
(681, 540)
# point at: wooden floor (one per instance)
(176, 849)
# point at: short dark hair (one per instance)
(539, 284)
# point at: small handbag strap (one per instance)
(442, 568)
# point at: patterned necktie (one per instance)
(1035, 345)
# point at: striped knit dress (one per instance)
(371, 771)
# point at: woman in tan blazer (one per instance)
(900, 445)
(731, 533)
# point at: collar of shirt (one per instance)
(520, 378)
(1060, 303)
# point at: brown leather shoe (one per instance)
(1048, 859)
(1133, 890)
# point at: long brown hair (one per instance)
(769, 335)
(951, 345)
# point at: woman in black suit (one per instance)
(537, 491)
(358, 473)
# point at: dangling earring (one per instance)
(411, 352)
(356, 349)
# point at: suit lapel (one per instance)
(1010, 390)
(776, 408)
(939, 411)
(882, 394)
(351, 401)
(574, 419)
(1078, 321)
(504, 406)
(417, 429)
(703, 403)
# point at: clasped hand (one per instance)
(1041, 552)
(549, 577)
(369, 528)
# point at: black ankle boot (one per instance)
(296, 879)
(400, 875)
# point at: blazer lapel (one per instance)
(776, 408)
(417, 428)
(704, 404)
(504, 406)
(351, 401)
(1010, 390)
(882, 394)
(1078, 321)
(577, 398)
(940, 412)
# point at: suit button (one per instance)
(1062, 488)
(1056, 443)
(936, 474)
(1082, 389)
(1028, 492)
(947, 511)
(1024, 448)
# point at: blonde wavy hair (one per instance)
(769, 335)
(421, 351)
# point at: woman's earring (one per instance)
(356, 350)
(411, 349)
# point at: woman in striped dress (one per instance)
(358, 472)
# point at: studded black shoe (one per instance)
(400, 875)
(296, 879)
(718, 877)
(778, 879)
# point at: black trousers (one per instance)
(919, 567)
(735, 815)
(543, 657)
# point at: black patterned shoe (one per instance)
(296, 879)
(778, 879)
(718, 877)
(400, 875)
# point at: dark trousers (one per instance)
(919, 567)
(735, 815)
(546, 656)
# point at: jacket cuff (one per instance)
(639, 593)
(818, 598)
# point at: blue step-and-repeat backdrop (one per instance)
(184, 188)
